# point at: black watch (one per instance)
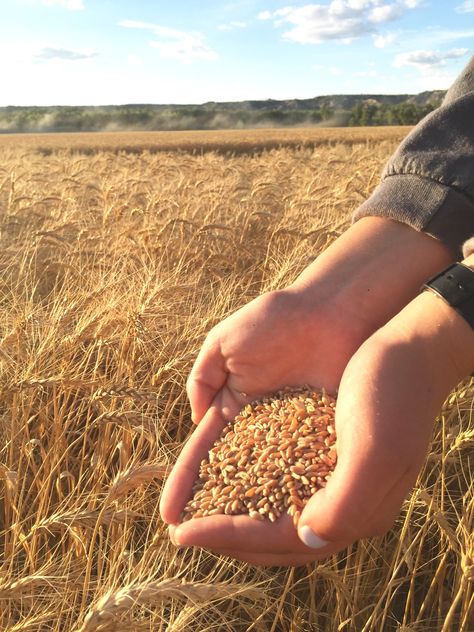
(455, 285)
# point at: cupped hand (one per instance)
(390, 393)
(274, 341)
(307, 332)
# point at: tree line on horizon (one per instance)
(368, 112)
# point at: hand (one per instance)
(390, 393)
(272, 342)
(305, 334)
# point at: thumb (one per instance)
(207, 376)
(361, 499)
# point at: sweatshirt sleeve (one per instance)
(429, 182)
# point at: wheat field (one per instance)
(117, 254)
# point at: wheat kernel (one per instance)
(270, 460)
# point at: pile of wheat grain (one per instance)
(275, 455)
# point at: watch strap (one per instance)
(455, 285)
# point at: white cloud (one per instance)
(387, 12)
(466, 7)
(64, 54)
(428, 59)
(72, 5)
(232, 25)
(342, 20)
(313, 24)
(174, 44)
(382, 41)
(351, 8)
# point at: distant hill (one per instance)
(331, 110)
(335, 101)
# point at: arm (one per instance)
(408, 368)
(429, 181)
(391, 392)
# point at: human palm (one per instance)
(272, 342)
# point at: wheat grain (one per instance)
(274, 474)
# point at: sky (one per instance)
(98, 52)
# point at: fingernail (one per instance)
(311, 539)
(171, 536)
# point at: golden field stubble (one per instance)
(114, 265)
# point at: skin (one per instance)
(396, 377)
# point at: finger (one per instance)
(272, 559)
(257, 559)
(268, 558)
(207, 376)
(178, 487)
(373, 466)
(240, 533)
(386, 514)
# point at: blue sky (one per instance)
(79, 52)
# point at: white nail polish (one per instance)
(311, 539)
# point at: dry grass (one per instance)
(195, 142)
(113, 265)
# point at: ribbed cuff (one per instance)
(423, 204)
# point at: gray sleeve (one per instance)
(429, 182)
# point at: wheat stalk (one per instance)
(135, 476)
(114, 603)
(118, 253)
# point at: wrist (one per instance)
(469, 261)
(437, 331)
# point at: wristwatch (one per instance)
(455, 285)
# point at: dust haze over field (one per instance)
(118, 253)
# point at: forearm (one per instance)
(374, 269)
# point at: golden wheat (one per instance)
(117, 254)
